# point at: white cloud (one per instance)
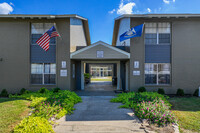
(148, 9)
(111, 12)
(125, 8)
(5, 8)
(12, 4)
(168, 1)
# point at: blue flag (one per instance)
(133, 32)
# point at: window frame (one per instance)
(157, 75)
(43, 73)
(157, 34)
(43, 33)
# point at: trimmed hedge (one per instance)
(142, 89)
(180, 92)
(4, 93)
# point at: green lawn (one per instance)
(102, 79)
(12, 111)
(187, 111)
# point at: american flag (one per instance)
(44, 40)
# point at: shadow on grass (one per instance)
(185, 103)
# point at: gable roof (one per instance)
(100, 43)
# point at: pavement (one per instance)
(96, 114)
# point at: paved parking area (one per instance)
(96, 114)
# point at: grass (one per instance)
(102, 79)
(187, 111)
(12, 111)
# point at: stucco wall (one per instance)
(185, 56)
(123, 27)
(15, 68)
(14, 49)
(77, 35)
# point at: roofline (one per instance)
(51, 16)
(99, 43)
(189, 15)
(40, 16)
(146, 16)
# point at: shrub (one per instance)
(196, 93)
(4, 93)
(55, 90)
(142, 89)
(148, 105)
(180, 92)
(161, 91)
(34, 125)
(156, 112)
(23, 91)
(43, 90)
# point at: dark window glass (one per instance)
(36, 78)
(163, 79)
(164, 38)
(150, 38)
(150, 78)
(49, 79)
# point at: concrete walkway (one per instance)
(96, 114)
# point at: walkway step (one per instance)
(96, 114)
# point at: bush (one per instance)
(148, 105)
(47, 105)
(23, 91)
(55, 90)
(196, 93)
(142, 89)
(34, 125)
(161, 91)
(43, 90)
(4, 93)
(180, 92)
(156, 112)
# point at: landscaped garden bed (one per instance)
(148, 106)
(46, 106)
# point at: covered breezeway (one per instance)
(100, 53)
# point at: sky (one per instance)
(100, 13)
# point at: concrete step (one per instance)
(95, 129)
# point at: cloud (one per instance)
(168, 1)
(148, 9)
(125, 8)
(5, 8)
(111, 12)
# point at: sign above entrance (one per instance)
(100, 54)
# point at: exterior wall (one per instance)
(77, 35)
(185, 56)
(14, 49)
(123, 27)
(108, 53)
(15, 68)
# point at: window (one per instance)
(38, 29)
(157, 33)
(157, 74)
(43, 73)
